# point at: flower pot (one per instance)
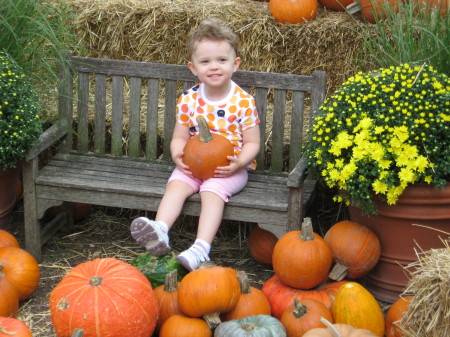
(415, 223)
(9, 178)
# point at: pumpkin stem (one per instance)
(299, 308)
(2, 266)
(353, 8)
(205, 134)
(171, 281)
(248, 326)
(95, 281)
(243, 282)
(213, 320)
(307, 233)
(339, 272)
(335, 332)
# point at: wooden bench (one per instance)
(114, 129)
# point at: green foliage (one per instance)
(34, 33)
(20, 124)
(381, 131)
(416, 32)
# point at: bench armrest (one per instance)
(297, 176)
(46, 139)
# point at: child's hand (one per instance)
(226, 171)
(178, 160)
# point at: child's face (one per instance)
(214, 62)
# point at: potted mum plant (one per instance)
(382, 141)
(20, 127)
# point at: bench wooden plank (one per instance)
(117, 115)
(134, 132)
(152, 119)
(100, 113)
(83, 112)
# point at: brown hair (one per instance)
(213, 29)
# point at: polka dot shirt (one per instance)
(228, 117)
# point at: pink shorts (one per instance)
(223, 187)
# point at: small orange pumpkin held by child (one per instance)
(206, 151)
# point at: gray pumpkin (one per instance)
(251, 326)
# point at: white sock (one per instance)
(163, 226)
(203, 244)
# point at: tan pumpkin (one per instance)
(104, 297)
(13, 327)
(252, 301)
(302, 259)
(206, 151)
(167, 298)
(304, 315)
(261, 243)
(8, 240)
(293, 11)
(356, 306)
(9, 299)
(356, 249)
(182, 326)
(21, 269)
(338, 330)
(395, 314)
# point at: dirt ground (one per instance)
(105, 233)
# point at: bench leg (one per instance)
(32, 225)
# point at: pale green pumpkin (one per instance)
(251, 326)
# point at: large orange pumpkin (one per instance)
(304, 315)
(13, 327)
(280, 295)
(302, 259)
(336, 5)
(182, 326)
(356, 249)
(104, 297)
(206, 151)
(208, 291)
(167, 298)
(251, 302)
(356, 306)
(261, 244)
(395, 314)
(7, 239)
(21, 269)
(9, 299)
(293, 11)
(372, 10)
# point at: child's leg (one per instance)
(153, 234)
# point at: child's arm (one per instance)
(180, 136)
(250, 149)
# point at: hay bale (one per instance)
(429, 312)
(156, 31)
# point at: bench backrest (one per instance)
(131, 108)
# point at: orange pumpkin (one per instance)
(13, 327)
(356, 249)
(302, 259)
(206, 151)
(21, 269)
(280, 295)
(261, 244)
(293, 11)
(208, 291)
(8, 240)
(304, 315)
(182, 326)
(356, 306)
(9, 299)
(167, 298)
(372, 10)
(252, 301)
(335, 330)
(336, 5)
(395, 314)
(104, 297)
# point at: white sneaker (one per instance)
(151, 235)
(193, 257)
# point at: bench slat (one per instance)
(117, 115)
(295, 141)
(170, 101)
(152, 119)
(100, 113)
(278, 130)
(83, 112)
(134, 132)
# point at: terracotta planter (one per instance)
(9, 179)
(400, 237)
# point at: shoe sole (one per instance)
(146, 235)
